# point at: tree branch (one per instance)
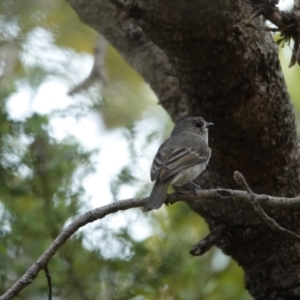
(66, 233)
(97, 72)
(111, 18)
(202, 196)
(49, 281)
(209, 241)
(239, 178)
(287, 23)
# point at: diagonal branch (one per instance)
(97, 73)
(66, 233)
(209, 241)
(203, 196)
(111, 18)
(239, 178)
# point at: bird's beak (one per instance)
(209, 124)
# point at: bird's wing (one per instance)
(170, 161)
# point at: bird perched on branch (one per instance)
(180, 159)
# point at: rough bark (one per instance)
(229, 74)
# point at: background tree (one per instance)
(227, 72)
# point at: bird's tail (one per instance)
(158, 194)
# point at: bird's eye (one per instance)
(199, 124)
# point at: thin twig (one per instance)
(272, 29)
(254, 15)
(49, 281)
(241, 181)
(209, 241)
(98, 71)
(239, 178)
(66, 233)
(295, 50)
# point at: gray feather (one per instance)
(158, 194)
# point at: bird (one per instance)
(180, 159)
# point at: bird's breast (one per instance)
(188, 174)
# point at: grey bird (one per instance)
(180, 159)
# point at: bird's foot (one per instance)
(195, 185)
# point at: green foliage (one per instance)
(37, 198)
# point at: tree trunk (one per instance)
(229, 74)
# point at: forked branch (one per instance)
(201, 196)
(288, 23)
(240, 180)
